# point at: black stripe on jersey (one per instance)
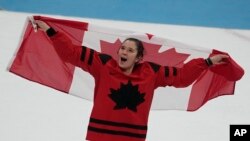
(154, 66)
(104, 58)
(83, 53)
(166, 71)
(91, 55)
(174, 71)
(118, 124)
(113, 132)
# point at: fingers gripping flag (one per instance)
(36, 60)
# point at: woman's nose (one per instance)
(124, 51)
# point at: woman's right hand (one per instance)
(42, 25)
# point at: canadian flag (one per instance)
(36, 60)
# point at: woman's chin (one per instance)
(122, 66)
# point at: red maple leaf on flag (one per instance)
(166, 58)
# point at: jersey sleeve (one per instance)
(181, 77)
(80, 56)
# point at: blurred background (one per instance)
(211, 13)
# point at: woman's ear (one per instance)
(138, 59)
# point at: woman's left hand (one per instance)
(219, 59)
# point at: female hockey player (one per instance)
(124, 87)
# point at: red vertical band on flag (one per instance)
(217, 81)
(37, 60)
(207, 87)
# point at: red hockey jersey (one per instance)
(122, 102)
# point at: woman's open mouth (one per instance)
(123, 59)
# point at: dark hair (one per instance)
(139, 45)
